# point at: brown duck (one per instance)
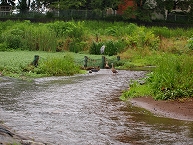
(113, 69)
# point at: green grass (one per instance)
(172, 78)
(17, 63)
(136, 90)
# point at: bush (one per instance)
(95, 48)
(142, 38)
(13, 41)
(49, 15)
(76, 46)
(67, 29)
(13, 38)
(190, 43)
(111, 47)
(58, 66)
(3, 47)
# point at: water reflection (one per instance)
(85, 109)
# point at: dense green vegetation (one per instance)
(18, 64)
(61, 45)
(171, 79)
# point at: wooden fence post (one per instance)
(103, 61)
(85, 61)
(35, 61)
(118, 58)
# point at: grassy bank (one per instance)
(18, 64)
(172, 78)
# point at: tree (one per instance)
(24, 6)
(186, 7)
(8, 2)
(83, 4)
(142, 10)
(64, 4)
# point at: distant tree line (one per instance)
(142, 9)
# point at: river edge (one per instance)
(175, 109)
(10, 137)
(181, 109)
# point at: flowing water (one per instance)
(85, 110)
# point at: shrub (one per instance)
(111, 47)
(49, 15)
(13, 41)
(95, 48)
(142, 38)
(190, 43)
(76, 46)
(162, 31)
(13, 38)
(67, 29)
(3, 46)
(58, 66)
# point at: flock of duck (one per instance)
(96, 69)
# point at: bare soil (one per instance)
(181, 109)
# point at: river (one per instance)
(85, 110)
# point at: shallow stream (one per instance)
(85, 110)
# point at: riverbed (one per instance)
(85, 109)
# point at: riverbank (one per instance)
(181, 109)
(7, 136)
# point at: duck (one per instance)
(114, 71)
(89, 68)
(95, 69)
(106, 65)
(90, 71)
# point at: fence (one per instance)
(178, 18)
(94, 15)
(88, 62)
(65, 14)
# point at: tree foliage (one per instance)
(24, 5)
(8, 2)
(143, 9)
(82, 4)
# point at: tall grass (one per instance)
(173, 77)
(28, 36)
(40, 38)
(78, 36)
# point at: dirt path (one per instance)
(178, 109)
